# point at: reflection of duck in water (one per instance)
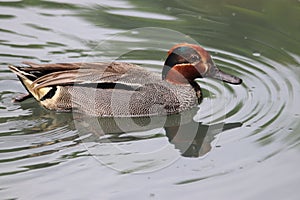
(192, 139)
(122, 89)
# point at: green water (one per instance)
(242, 142)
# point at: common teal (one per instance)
(122, 89)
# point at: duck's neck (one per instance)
(183, 73)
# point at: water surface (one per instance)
(242, 142)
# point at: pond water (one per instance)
(242, 142)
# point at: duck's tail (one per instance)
(27, 80)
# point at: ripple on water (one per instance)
(147, 15)
(35, 141)
(263, 103)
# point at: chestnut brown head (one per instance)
(186, 62)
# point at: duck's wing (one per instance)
(40, 79)
(45, 75)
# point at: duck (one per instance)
(120, 89)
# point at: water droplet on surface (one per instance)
(256, 54)
(233, 14)
(134, 32)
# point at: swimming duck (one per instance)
(122, 89)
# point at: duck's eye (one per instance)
(194, 58)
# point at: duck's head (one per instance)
(186, 62)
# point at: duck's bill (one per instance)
(228, 78)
